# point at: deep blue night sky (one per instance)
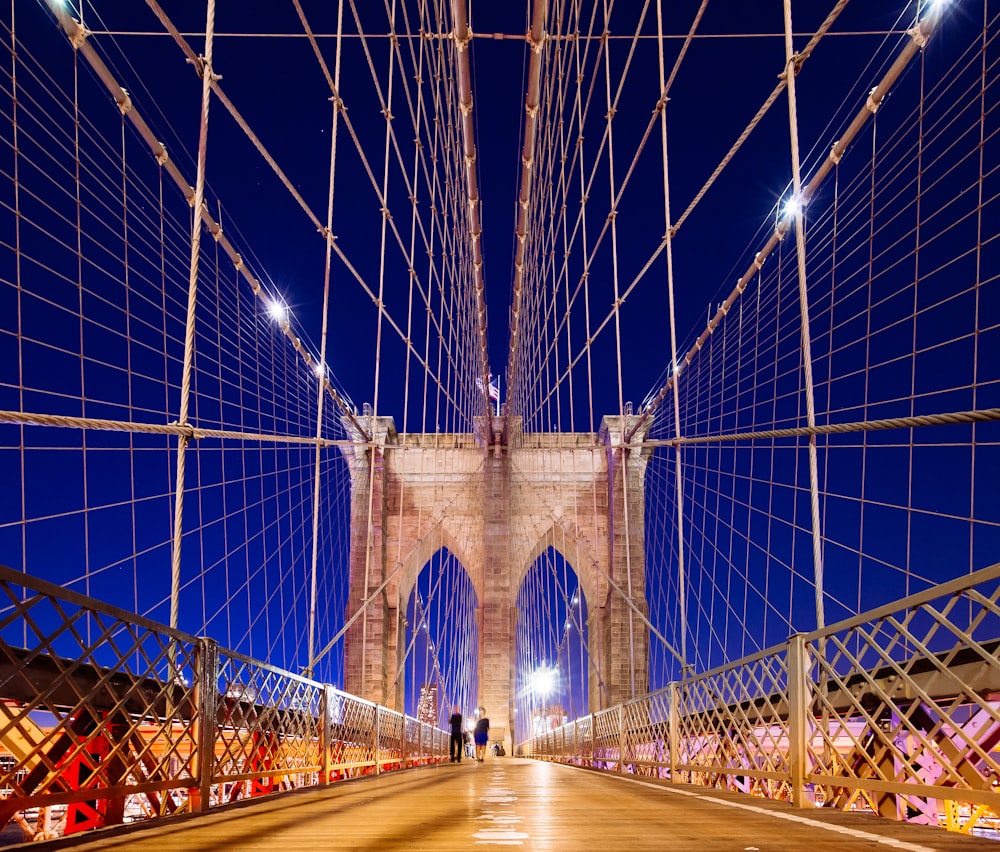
(277, 85)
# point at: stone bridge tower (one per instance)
(496, 508)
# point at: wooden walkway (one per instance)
(521, 803)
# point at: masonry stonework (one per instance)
(497, 509)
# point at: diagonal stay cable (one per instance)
(77, 36)
(286, 182)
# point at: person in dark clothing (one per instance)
(455, 747)
(481, 735)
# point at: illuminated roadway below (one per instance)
(519, 803)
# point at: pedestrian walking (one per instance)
(455, 746)
(481, 734)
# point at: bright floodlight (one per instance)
(793, 207)
(277, 310)
(543, 681)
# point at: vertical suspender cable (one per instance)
(128, 362)
(20, 319)
(385, 213)
(78, 206)
(462, 37)
(536, 41)
(623, 450)
(977, 317)
(374, 452)
(414, 221)
(681, 578)
(205, 67)
(399, 626)
(798, 208)
(321, 367)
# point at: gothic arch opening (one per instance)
(439, 641)
(552, 662)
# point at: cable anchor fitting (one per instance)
(871, 104)
(125, 104)
(919, 36)
(461, 43)
(78, 35)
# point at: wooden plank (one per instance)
(531, 804)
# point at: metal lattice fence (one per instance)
(107, 717)
(895, 712)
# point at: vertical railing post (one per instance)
(621, 739)
(798, 708)
(204, 701)
(378, 737)
(326, 734)
(402, 743)
(593, 739)
(673, 729)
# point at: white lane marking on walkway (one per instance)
(840, 829)
(505, 836)
(499, 793)
(500, 819)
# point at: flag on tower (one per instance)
(494, 390)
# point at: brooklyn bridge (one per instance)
(623, 376)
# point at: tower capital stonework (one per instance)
(496, 506)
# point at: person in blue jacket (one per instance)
(481, 734)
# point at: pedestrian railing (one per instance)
(107, 717)
(895, 712)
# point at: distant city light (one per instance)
(543, 681)
(278, 311)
